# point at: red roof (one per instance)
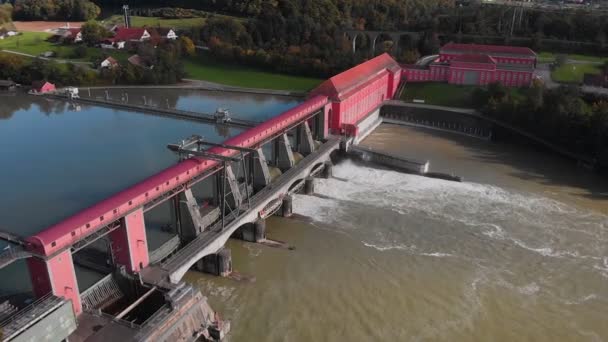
(111, 60)
(126, 34)
(488, 49)
(74, 31)
(340, 85)
(474, 58)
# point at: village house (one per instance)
(137, 61)
(124, 35)
(42, 87)
(73, 35)
(109, 63)
(164, 33)
(7, 85)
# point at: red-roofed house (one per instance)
(472, 64)
(360, 90)
(109, 63)
(126, 34)
(41, 87)
(69, 34)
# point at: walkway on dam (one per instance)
(167, 112)
(215, 237)
(192, 84)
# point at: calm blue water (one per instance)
(252, 107)
(56, 161)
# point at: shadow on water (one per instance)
(526, 161)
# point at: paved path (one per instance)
(205, 85)
(63, 61)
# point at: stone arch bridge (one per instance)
(373, 37)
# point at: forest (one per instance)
(564, 116)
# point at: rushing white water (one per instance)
(365, 200)
(399, 257)
(497, 230)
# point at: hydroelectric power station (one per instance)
(216, 191)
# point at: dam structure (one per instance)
(214, 192)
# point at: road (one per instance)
(63, 61)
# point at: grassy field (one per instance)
(440, 94)
(158, 22)
(206, 68)
(573, 73)
(34, 43)
(549, 57)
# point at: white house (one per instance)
(109, 63)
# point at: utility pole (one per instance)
(127, 18)
(513, 21)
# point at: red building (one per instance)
(471, 64)
(41, 87)
(359, 91)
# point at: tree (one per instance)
(187, 45)
(561, 59)
(80, 51)
(93, 33)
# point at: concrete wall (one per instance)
(129, 244)
(56, 275)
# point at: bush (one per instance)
(80, 52)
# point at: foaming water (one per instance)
(386, 256)
(533, 247)
(536, 224)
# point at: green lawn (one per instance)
(158, 22)
(34, 43)
(548, 57)
(440, 94)
(573, 73)
(204, 67)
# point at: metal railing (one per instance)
(101, 292)
(29, 314)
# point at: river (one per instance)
(517, 252)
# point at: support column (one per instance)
(287, 206)
(309, 186)
(219, 264)
(129, 243)
(56, 275)
(285, 159)
(261, 173)
(234, 196)
(193, 222)
(306, 143)
(254, 232)
(327, 170)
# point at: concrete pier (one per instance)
(287, 206)
(253, 232)
(327, 170)
(309, 186)
(285, 159)
(219, 264)
(261, 173)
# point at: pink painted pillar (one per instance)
(57, 275)
(129, 244)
